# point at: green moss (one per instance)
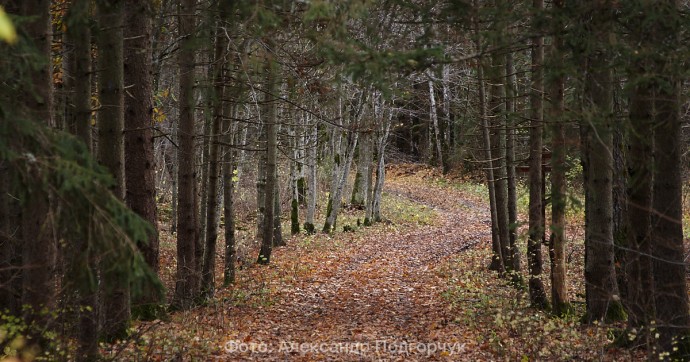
(326, 227)
(294, 217)
(329, 207)
(309, 228)
(616, 313)
(355, 191)
(150, 312)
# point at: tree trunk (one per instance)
(620, 200)
(669, 264)
(139, 159)
(228, 201)
(295, 180)
(187, 280)
(116, 294)
(270, 127)
(78, 118)
(38, 242)
(341, 173)
(497, 261)
(510, 160)
(336, 199)
(277, 212)
(433, 115)
(384, 131)
(559, 286)
(208, 274)
(536, 220)
(261, 187)
(498, 153)
(312, 147)
(600, 278)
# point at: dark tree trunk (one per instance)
(228, 199)
(510, 160)
(271, 153)
(39, 248)
(497, 261)
(208, 274)
(187, 280)
(116, 294)
(600, 278)
(620, 199)
(140, 180)
(668, 262)
(559, 290)
(498, 153)
(78, 118)
(536, 220)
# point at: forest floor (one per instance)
(412, 288)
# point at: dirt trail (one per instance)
(379, 299)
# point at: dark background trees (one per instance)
(273, 106)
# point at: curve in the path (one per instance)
(386, 296)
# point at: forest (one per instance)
(354, 180)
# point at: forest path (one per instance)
(376, 296)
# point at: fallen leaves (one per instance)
(414, 289)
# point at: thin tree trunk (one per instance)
(510, 160)
(261, 186)
(380, 168)
(620, 200)
(295, 179)
(277, 212)
(208, 274)
(498, 153)
(433, 114)
(336, 198)
(557, 244)
(186, 280)
(312, 147)
(536, 221)
(270, 127)
(497, 261)
(228, 201)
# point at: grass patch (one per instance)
(403, 211)
(505, 323)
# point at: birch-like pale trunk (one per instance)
(433, 115)
(312, 148)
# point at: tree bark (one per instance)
(433, 115)
(498, 154)
(187, 280)
(536, 221)
(600, 278)
(208, 274)
(116, 294)
(510, 160)
(669, 264)
(497, 261)
(312, 147)
(78, 118)
(140, 179)
(559, 289)
(270, 126)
